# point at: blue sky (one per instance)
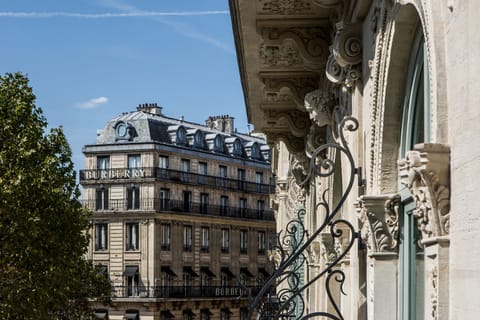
(91, 60)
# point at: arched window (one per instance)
(218, 143)
(181, 136)
(415, 129)
(198, 139)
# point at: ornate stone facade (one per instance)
(415, 151)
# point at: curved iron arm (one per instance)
(292, 249)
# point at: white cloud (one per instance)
(140, 14)
(92, 103)
(184, 29)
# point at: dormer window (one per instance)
(255, 151)
(124, 131)
(198, 139)
(237, 148)
(181, 136)
(218, 143)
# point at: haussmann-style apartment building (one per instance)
(181, 221)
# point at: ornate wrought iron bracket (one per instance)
(281, 296)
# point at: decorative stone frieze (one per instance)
(378, 217)
(288, 92)
(297, 122)
(425, 172)
(286, 7)
(293, 143)
(295, 47)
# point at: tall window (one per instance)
(243, 241)
(101, 200)
(132, 236)
(163, 162)
(187, 201)
(101, 236)
(163, 166)
(204, 239)
(166, 237)
(164, 199)
(260, 209)
(202, 172)
(134, 165)
(187, 238)
(241, 179)
(103, 165)
(261, 242)
(415, 129)
(243, 207)
(185, 168)
(133, 198)
(223, 205)
(225, 241)
(132, 280)
(222, 176)
(203, 202)
(187, 283)
(259, 181)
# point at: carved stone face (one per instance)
(319, 103)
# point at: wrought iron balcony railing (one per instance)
(175, 176)
(168, 205)
(179, 292)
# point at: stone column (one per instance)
(378, 217)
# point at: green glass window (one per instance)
(415, 129)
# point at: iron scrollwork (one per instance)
(281, 296)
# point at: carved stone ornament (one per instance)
(314, 253)
(315, 138)
(327, 250)
(378, 217)
(319, 104)
(289, 91)
(293, 143)
(327, 3)
(347, 45)
(297, 122)
(295, 198)
(344, 62)
(299, 166)
(286, 7)
(295, 48)
(425, 172)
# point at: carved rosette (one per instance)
(378, 217)
(425, 172)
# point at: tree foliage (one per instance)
(43, 238)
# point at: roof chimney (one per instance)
(152, 108)
(222, 123)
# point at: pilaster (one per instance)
(378, 217)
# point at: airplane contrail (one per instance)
(108, 14)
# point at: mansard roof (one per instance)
(142, 126)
